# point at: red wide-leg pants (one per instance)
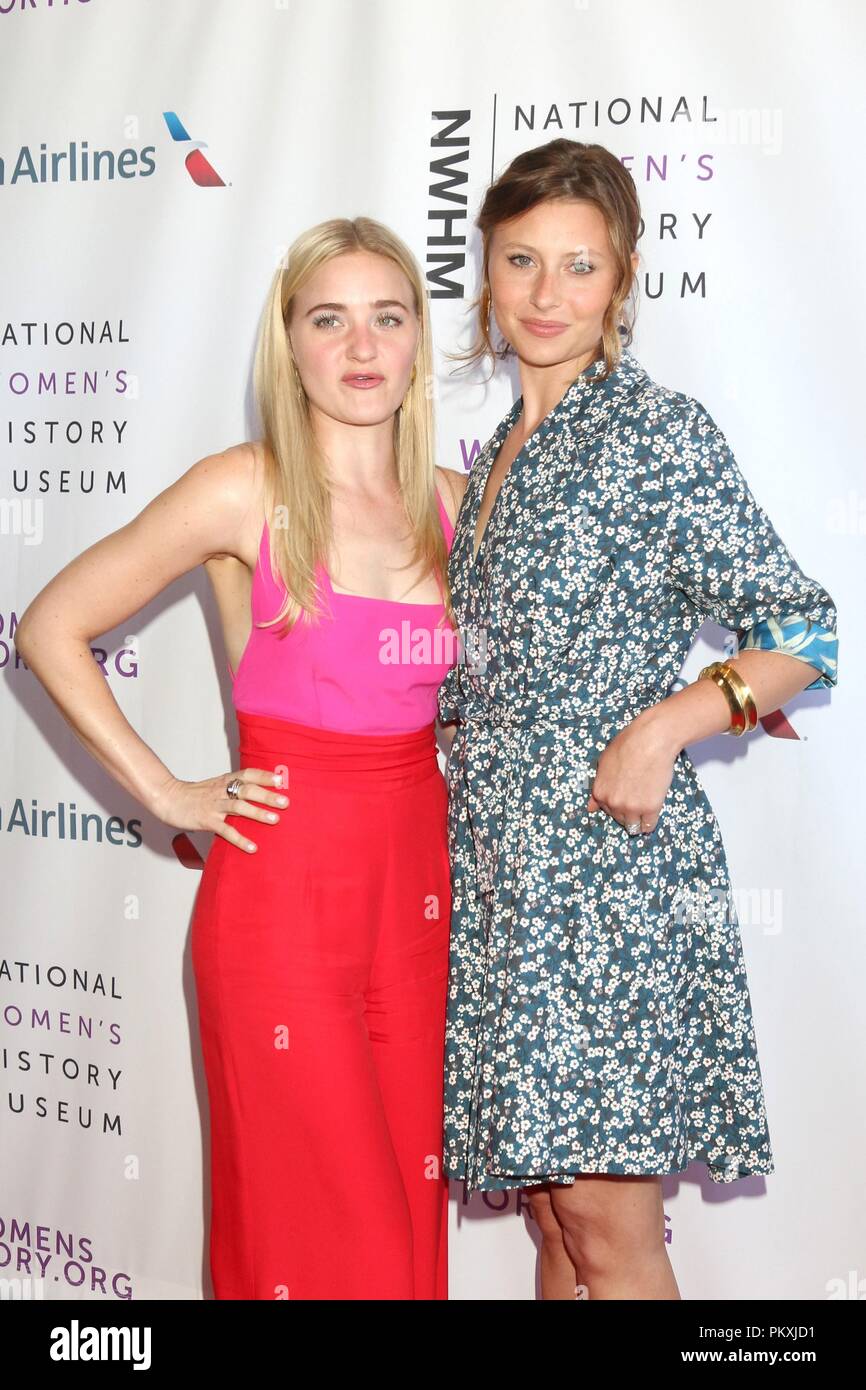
(321, 965)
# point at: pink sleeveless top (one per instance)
(368, 666)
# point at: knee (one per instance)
(543, 1215)
(600, 1233)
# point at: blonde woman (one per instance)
(600, 1029)
(320, 934)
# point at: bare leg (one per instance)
(558, 1276)
(613, 1230)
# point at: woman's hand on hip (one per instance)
(205, 805)
(634, 773)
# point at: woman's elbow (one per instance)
(30, 633)
(21, 638)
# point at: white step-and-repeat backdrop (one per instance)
(137, 246)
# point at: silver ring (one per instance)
(234, 787)
(633, 827)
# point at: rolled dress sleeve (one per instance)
(727, 558)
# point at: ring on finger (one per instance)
(234, 788)
(633, 827)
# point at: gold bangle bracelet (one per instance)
(737, 725)
(744, 692)
(744, 713)
(717, 673)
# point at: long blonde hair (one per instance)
(296, 492)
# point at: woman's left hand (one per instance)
(634, 774)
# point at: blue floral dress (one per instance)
(599, 1018)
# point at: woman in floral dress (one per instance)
(600, 1030)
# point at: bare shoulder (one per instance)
(235, 478)
(236, 470)
(452, 485)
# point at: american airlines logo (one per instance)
(200, 170)
(80, 162)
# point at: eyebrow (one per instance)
(525, 244)
(374, 304)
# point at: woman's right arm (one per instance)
(199, 516)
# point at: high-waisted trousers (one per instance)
(321, 965)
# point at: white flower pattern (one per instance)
(592, 1025)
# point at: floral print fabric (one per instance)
(599, 1017)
